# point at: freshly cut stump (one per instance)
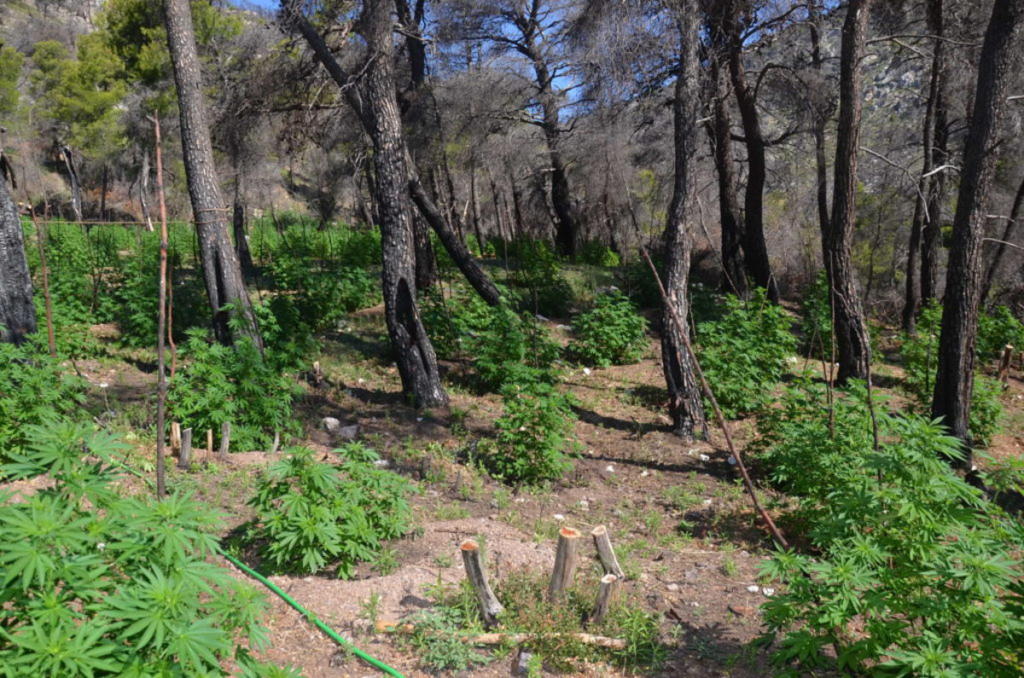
(565, 562)
(490, 607)
(605, 551)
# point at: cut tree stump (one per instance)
(490, 607)
(605, 551)
(185, 454)
(565, 562)
(225, 439)
(609, 584)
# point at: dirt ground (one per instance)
(676, 511)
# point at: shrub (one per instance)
(505, 346)
(611, 333)
(744, 354)
(816, 319)
(97, 584)
(218, 384)
(995, 330)
(33, 389)
(920, 363)
(543, 288)
(323, 296)
(533, 434)
(311, 514)
(916, 573)
(596, 253)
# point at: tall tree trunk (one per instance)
(932, 231)
(755, 247)
(849, 326)
(912, 294)
(474, 204)
(1004, 242)
(426, 264)
(821, 115)
(144, 191)
(17, 312)
(734, 277)
(685, 405)
(221, 270)
(76, 185)
(955, 379)
(566, 226)
(238, 226)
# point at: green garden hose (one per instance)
(376, 663)
(372, 661)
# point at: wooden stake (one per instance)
(161, 389)
(609, 584)
(209, 443)
(565, 562)
(225, 439)
(185, 454)
(1004, 364)
(490, 607)
(605, 551)
(518, 638)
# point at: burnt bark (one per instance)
(238, 227)
(426, 264)
(17, 312)
(931, 235)
(955, 378)
(685, 407)
(1005, 241)
(912, 293)
(754, 245)
(851, 335)
(76, 186)
(222, 273)
(821, 112)
(734, 278)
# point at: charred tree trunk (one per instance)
(17, 312)
(426, 264)
(221, 270)
(955, 379)
(932, 231)
(755, 247)
(238, 226)
(685, 405)
(822, 112)
(76, 186)
(144, 191)
(1005, 241)
(849, 326)
(734, 277)
(912, 295)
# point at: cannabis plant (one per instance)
(313, 514)
(611, 333)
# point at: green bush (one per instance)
(538, 278)
(323, 296)
(505, 346)
(920, 364)
(996, 330)
(533, 434)
(34, 388)
(97, 584)
(816, 320)
(914, 572)
(744, 354)
(312, 514)
(216, 384)
(596, 253)
(611, 333)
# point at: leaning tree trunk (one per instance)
(955, 379)
(734, 277)
(225, 287)
(756, 249)
(848, 325)
(17, 312)
(685, 406)
(912, 293)
(1004, 242)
